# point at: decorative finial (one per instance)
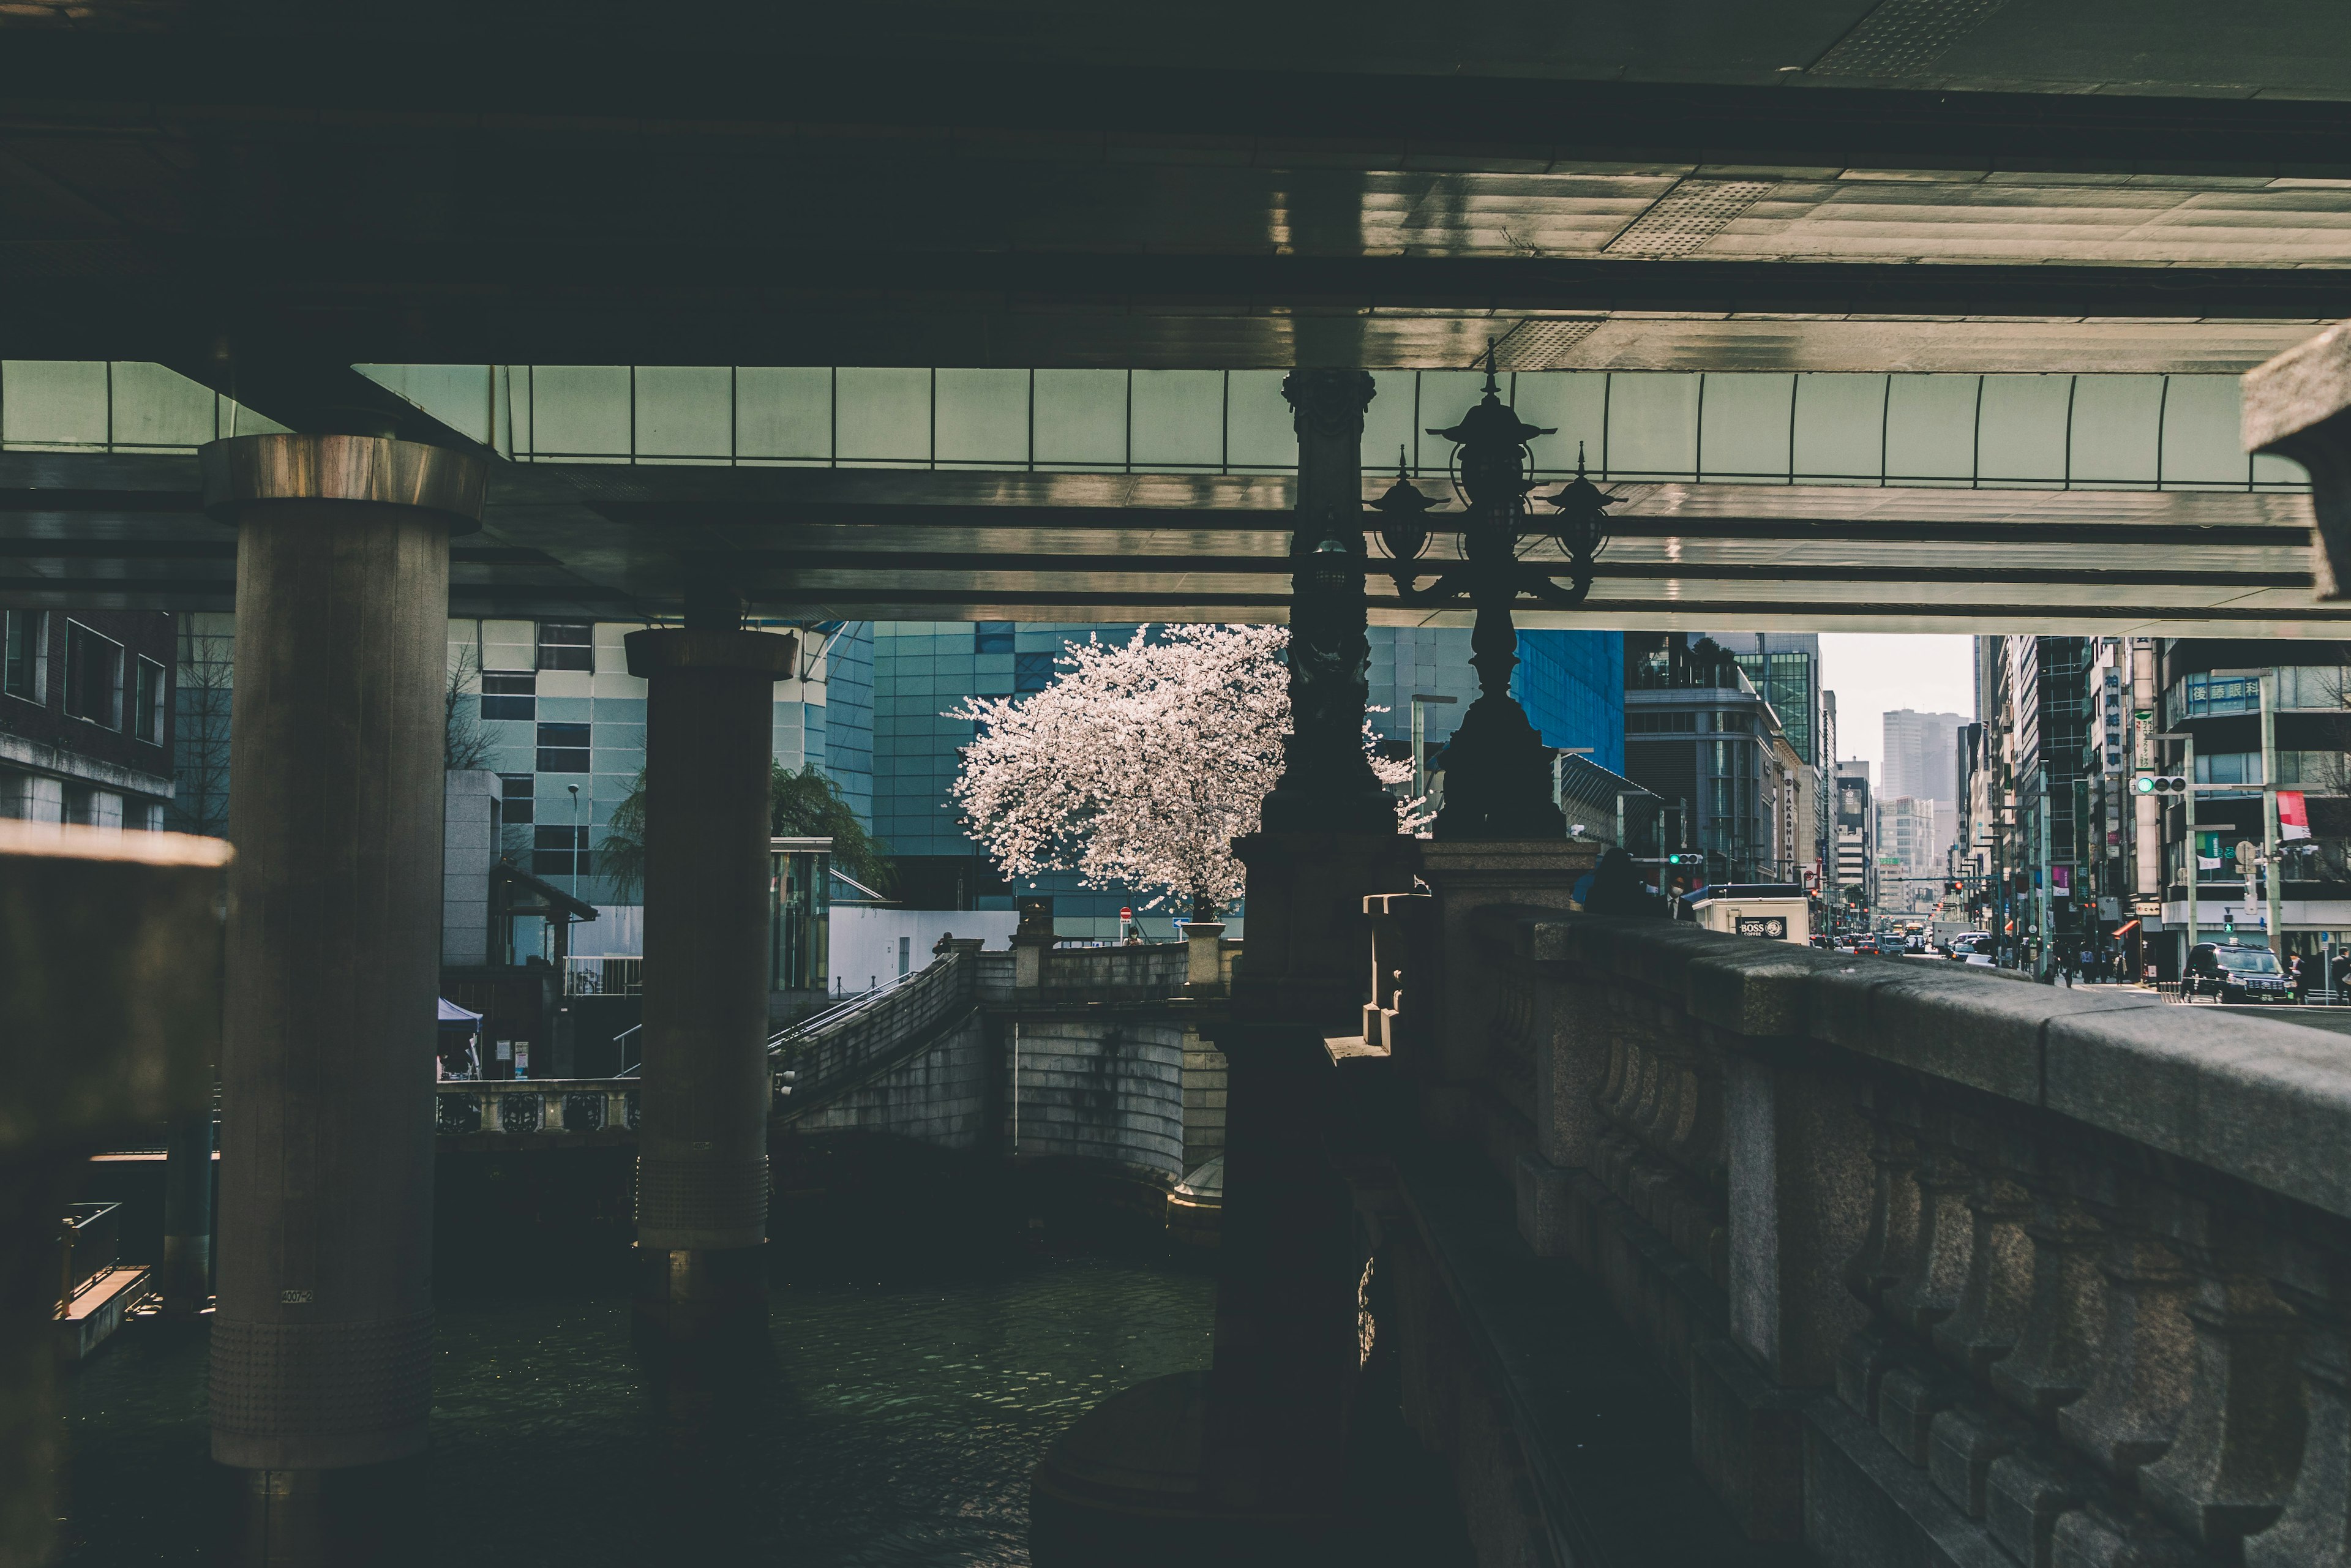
(1401, 471)
(1579, 460)
(1493, 388)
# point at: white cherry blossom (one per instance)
(1139, 765)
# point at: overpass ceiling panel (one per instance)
(118, 528)
(910, 541)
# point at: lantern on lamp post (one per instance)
(1498, 781)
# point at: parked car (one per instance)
(2236, 973)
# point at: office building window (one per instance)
(517, 798)
(147, 702)
(25, 653)
(991, 637)
(509, 697)
(557, 851)
(93, 676)
(567, 646)
(1031, 671)
(563, 748)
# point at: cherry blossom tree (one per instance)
(1139, 765)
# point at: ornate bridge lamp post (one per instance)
(1496, 783)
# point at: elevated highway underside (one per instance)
(126, 531)
(261, 198)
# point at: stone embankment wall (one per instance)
(1108, 1087)
(1872, 1261)
(939, 1095)
(1098, 1060)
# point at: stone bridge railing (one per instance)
(576, 1110)
(1140, 972)
(1949, 1267)
(918, 1058)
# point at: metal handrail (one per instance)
(802, 1028)
(826, 1018)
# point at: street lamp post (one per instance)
(1419, 741)
(1495, 779)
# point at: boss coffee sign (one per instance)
(1772, 925)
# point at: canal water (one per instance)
(909, 1387)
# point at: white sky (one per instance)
(1874, 674)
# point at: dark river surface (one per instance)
(909, 1387)
(895, 1423)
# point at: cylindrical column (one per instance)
(187, 1283)
(702, 1133)
(322, 1342)
(1326, 785)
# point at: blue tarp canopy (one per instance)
(452, 1013)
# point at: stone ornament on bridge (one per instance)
(110, 962)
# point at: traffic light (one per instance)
(1685, 860)
(2159, 784)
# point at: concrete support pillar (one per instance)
(187, 1272)
(702, 1166)
(2298, 406)
(322, 1342)
(109, 962)
(1327, 785)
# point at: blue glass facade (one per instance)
(1571, 684)
(920, 670)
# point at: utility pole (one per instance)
(2269, 867)
(2043, 892)
(2147, 809)
(2188, 797)
(1419, 740)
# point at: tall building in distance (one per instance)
(1909, 853)
(1824, 796)
(1785, 667)
(1855, 824)
(1702, 739)
(1921, 752)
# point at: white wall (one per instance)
(617, 932)
(466, 852)
(865, 941)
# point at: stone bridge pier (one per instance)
(702, 1166)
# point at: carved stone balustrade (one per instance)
(1947, 1267)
